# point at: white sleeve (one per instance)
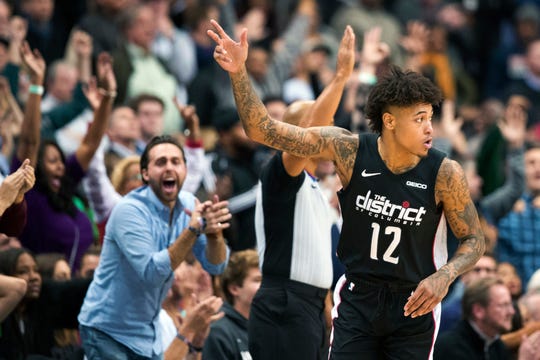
(98, 188)
(196, 163)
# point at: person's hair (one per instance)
(136, 102)
(157, 140)
(532, 145)
(52, 70)
(62, 200)
(478, 292)
(273, 98)
(47, 262)
(118, 175)
(94, 250)
(127, 17)
(237, 270)
(401, 89)
(9, 259)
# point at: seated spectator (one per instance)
(519, 230)
(9, 242)
(487, 313)
(534, 283)
(53, 266)
(47, 306)
(531, 302)
(89, 262)
(228, 338)
(508, 274)
(191, 286)
(451, 311)
(191, 335)
(12, 290)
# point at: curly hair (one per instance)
(402, 89)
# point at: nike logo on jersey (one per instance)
(366, 174)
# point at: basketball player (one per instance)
(398, 195)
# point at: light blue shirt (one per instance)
(134, 272)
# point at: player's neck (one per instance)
(395, 159)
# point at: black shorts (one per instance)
(369, 323)
(286, 321)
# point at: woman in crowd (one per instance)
(55, 224)
(46, 306)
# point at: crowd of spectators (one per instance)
(57, 131)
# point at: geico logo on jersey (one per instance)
(380, 207)
(416, 185)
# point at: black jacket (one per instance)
(463, 342)
(228, 338)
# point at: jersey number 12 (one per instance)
(389, 230)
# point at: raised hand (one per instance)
(189, 114)
(34, 62)
(18, 28)
(92, 94)
(450, 124)
(104, 85)
(416, 39)
(346, 54)
(514, 125)
(82, 43)
(374, 51)
(105, 74)
(229, 54)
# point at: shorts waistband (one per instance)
(296, 286)
(377, 283)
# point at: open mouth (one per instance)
(169, 185)
(428, 144)
(55, 183)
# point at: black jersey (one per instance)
(392, 227)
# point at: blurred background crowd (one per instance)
(483, 54)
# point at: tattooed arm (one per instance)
(331, 143)
(452, 192)
(321, 111)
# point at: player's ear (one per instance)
(389, 120)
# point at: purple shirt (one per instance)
(48, 230)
